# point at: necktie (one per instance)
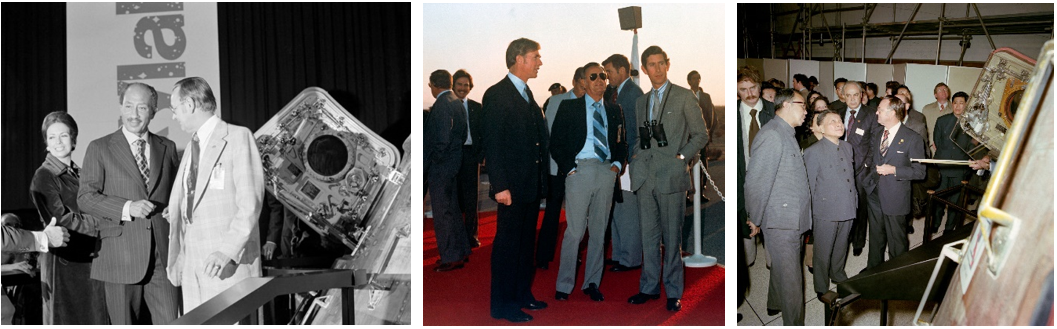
(754, 127)
(656, 104)
(141, 160)
(600, 134)
(192, 176)
(851, 126)
(528, 94)
(884, 143)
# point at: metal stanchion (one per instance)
(698, 259)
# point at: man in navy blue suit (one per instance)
(625, 232)
(445, 133)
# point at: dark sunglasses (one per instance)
(595, 76)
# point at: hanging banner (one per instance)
(109, 45)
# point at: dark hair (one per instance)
(618, 62)
(692, 73)
(653, 50)
(897, 105)
(198, 91)
(820, 116)
(814, 93)
(777, 83)
(579, 73)
(813, 79)
(894, 85)
(961, 94)
(748, 73)
(781, 96)
(440, 79)
(839, 80)
(462, 74)
(767, 85)
(872, 87)
(153, 103)
(519, 47)
(823, 99)
(59, 117)
(802, 79)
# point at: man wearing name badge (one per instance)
(671, 131)
(860, 123)
(126, 180)
(775, 185)
(548, 236)
(890, 174)
(468, 178)
(589, 148)
(516, 148)
(216, 202)
(753, 113)
(625, 232)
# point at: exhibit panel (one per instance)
(921, 79)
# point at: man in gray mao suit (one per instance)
(660, 175)
(831, 176)
(775, 181)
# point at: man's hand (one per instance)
(984, 163)
(886, 169)
(141, 208)
(614, 169)
(753, 229)
(214, 264)
(22, 266)
(165, 213)
(57, 235)
(503, 197)
(268, 249)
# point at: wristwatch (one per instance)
(680, 156)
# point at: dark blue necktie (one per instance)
(600, 133)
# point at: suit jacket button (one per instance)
(785, 204)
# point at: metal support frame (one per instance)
(984, 26)
(939, 35)
(888, 60)
(936, 198)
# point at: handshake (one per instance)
(57, 235)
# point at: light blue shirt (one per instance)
(588, 151)
(520, 85)
(660, 96)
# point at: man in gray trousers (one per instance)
(775, 181)
(831, 176)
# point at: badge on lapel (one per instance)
(900, 141)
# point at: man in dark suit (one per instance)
(951, 143)
(468, 178)
(838, 88)
(126, 180)
(588, 144)
(708, 113)
(775, 182)
(860, 125)
(660, 176)
(625, 233)
(888, 184)
(445, 133)
(515, 145)
(753, 113)
(871, 94)
(548, 236)
(833, 199)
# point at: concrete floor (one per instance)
(863, 312)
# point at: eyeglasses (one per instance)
(595, 76)
(795, 102)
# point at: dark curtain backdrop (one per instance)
(359, 53)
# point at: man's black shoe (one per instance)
(674, 305)
(535, 305)
(640, 298)
(592, 290)
(622, 268)
(515, 316)
(561, 295)
(773, 312)
(611, 262)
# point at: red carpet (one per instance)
(461, 297)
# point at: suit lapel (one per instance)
(210, 155)
(157, 152)
(121, 150)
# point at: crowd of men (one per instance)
(615, 157)
(840, 170)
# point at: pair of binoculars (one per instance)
(652, 130)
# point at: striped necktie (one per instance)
(141, 160)
(884, 143)
(600, 133)
(192, 176)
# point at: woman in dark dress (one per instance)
(69, 296)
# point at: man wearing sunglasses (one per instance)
(775, 181)
(588, 144)
(660, 175)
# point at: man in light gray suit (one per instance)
(775, 181)
(660, 175)
(831, 176)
